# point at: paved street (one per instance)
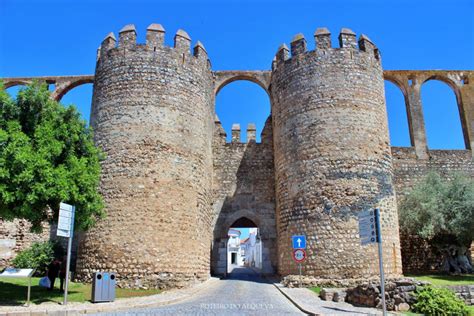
(242, 293)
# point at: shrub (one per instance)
(38, 256)
(438, 301)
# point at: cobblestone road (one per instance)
(243, 293)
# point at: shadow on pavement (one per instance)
(250, 275)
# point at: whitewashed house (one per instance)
(234, 256)
(253, 250)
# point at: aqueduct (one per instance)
(408, 81)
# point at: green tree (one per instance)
(441, 211)
(47, 155)
(38, 256)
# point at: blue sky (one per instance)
(61, 37)
(244, 232)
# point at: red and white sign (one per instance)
(299, 255)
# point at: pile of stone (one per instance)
(464, 292)
(309, 281)
(399, 294)
(333, 294)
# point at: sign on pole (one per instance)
(65, 220)
(299, 242)
(299, 255)
(370, 232)
(367, 227)
(66, 229)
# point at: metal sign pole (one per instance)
(29, 291)
(300, 273)
(379, 241)
(68, 262)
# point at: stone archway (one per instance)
(246, 219)
(237, 252)
(244, 222)
(223, 78)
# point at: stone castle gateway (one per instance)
(173, 186)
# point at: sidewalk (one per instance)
(74, 308)
(310, 303)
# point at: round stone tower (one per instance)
(332, 155)
(153, 115)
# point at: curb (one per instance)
(294, 302)
(93, 309)
(280, 287)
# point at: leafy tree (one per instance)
(441, 211)
(38, 256)
(47, 155)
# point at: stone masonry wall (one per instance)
(15, 236)
(417, 255)
(332, 156)
(152, 113)
(244, 187)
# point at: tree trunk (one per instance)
(455, 259)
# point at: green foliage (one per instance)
(440, 207)
(38, 256)
(438, 301)
(47, 155)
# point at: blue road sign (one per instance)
(299, 242)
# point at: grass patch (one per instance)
(315, 289)
(471, 310)
(13, 291)
(446, 280)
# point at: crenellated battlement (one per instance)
(155, 41)
(155, 35)
(251, 133)
(322, 36)
(236, 133)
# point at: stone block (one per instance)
(326, 294)
(339, 296)
(403, 307)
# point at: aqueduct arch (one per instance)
(223, 78)
(63, 87)
(63, 84)
(410, 83)
(443, 109)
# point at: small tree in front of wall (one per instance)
(441, 211)
(38, 256)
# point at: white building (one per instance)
(253, 250)
(234, 254)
